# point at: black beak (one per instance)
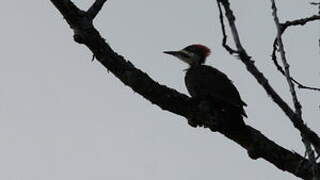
(173, 53)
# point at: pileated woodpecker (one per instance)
(206, 83)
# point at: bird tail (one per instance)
(236, 126)
(234, 121)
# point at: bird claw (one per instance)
(192, 123)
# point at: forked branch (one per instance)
(297, 121)
(257, 145)
(295, 100)
(283, 27)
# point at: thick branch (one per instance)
(263, 81)
(169, 99)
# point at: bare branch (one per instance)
(315, 3)
(283, 28)
(263, 81)
(285, 62)
(280, 69)
(95, 8)
(297, 22)
(257, 145)
(231, 19)
(224, 39)
(295, 100)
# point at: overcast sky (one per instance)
(63, 117)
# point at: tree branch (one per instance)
(224, 39)
(283, 27)
(257, 145)
(280, 69)
(95, 8)
(263, 81)
(301, 22)
(295, 100)
(285, 62)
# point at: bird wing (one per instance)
(207, 81)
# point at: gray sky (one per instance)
(63, 117)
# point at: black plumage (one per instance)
(207, 83)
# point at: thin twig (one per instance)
(280, 69)
(284, 61)
(224, 39)
(317, 4)
(95, 8)
(301, 22)
(231, 20)
(301, 86)
(283, 27)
